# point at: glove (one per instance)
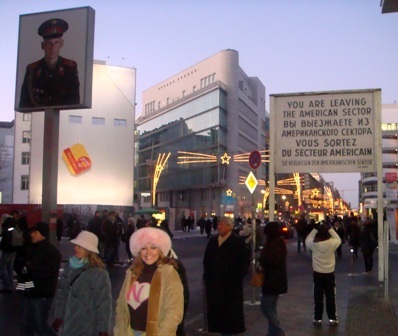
(102, 333)
(57, 324)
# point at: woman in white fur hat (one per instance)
(151, 301)
(83, 305)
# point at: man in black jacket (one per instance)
(41, 275)
(8, 253)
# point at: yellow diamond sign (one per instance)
(251, 182)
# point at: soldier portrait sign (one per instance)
(55, 60)
(325, 132)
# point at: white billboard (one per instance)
(96, 146)
(325, 132)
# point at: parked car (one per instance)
(285, 230)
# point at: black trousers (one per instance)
(368, 259)
(324, 285)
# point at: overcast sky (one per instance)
(290, 45)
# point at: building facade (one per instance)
(209, 117)
(368, 183)
(96, 146)
(6, 160)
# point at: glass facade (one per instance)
(196, 126)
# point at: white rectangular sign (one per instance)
(325, 131)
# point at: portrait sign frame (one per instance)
(77, 50)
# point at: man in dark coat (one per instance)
(53, 80)
(273, 262)
(225, 266)
(301, 228)
(95, 226)
(109, 232)
(368, 242)
(39, 284)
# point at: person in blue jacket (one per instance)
(83, 305)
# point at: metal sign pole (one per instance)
(50, 168)
(254, 289)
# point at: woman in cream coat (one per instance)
(150, 302)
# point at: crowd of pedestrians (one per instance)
(155, 294)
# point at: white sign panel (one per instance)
(325, 131)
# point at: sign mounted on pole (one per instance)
(325, 132)
(255, 159)
(251, 182)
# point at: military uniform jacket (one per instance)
(43, 86)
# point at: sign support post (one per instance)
(251, 183)
(50, 167)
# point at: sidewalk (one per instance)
(361, 311)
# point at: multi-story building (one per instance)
(6, 160)
(102, 135)
(205, 116)
(368, 183)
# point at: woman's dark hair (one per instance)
(323, 232)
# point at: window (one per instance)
(150, 108)
(25, 136)
(25, 160)
(120, 122)
(25, 182)
(27, 116)
(163, 197)
(98, 121)
(73, 119)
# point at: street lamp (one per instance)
(283, 203)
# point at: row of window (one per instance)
(207, 80)
(74, 119)
(173, 81)
(26, 135)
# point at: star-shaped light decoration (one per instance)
(229, 192)
(225, 159)
(315, 192)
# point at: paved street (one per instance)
(360, 310)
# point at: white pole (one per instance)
(271, 197)
(382, 277)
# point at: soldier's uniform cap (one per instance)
(53, 28)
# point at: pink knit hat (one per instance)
(150, 235)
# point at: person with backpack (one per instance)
(9, 252)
